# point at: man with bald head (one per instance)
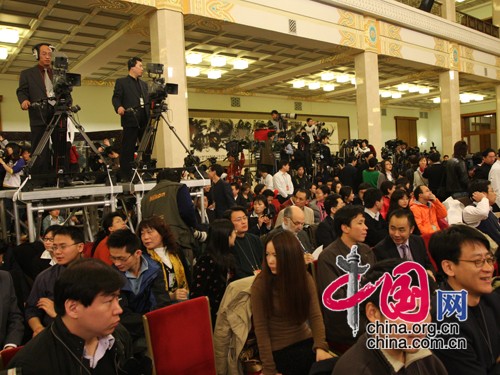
(293, 221)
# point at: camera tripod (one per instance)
(61, 115)
(148, 138)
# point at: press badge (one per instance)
(141, 101)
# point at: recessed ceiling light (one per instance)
(396, 95)
(328, 87)
(192, 71)
(327, 76)
(413, 88)
(314, 85)
(403, 87)
(218, 61)
(3, 53)
(385, 94)
(424, 90)
(9, 35)
(436, 100)
(343, 78)
(240, 64)
(298, 84)
(214, 74)
(194, 58)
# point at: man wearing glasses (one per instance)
(67, 247)
(145, 288)
(463, 256)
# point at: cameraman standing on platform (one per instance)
(35, 87)
(131, 102)
(277, 122)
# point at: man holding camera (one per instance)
(131, 102)
(35, 87)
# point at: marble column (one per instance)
(497, 101)
(167, 47)
(448, 10)
(450, 110)
(368, 99)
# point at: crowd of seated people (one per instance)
(271, 236)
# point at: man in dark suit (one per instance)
(377, 226)
(11, 319)
(349, 174)
(35, 87)
(221, 191)
(325, 234)
(436, 174)
(401, 243)
(131, 102)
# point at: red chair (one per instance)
(6, 355)
(179, 338)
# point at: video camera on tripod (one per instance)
(157, 88)
(63, 81)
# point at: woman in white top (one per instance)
(13, 164)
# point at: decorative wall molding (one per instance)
(412, 18)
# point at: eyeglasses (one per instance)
(479, 263)
(63, 246)
(48, 239)
(119, 259)
(298, 223)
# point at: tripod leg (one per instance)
(43, 142)
(79, 127)
(147, 138)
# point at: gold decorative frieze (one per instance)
(454, 56)
(467, 53)
(440, 45)
(112, 5)
(346, 18)
(347, 39)
(395, 49)
(371, 39)
(394, 32)
(169, 4)
(468, 67)
(441, 60)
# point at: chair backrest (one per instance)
(6, 355)
(180, 340)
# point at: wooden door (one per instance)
(406, 130)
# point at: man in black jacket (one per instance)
(82, 339)
(435, 173)
(325, 234)
(377, 226)
(401, 243)
(131, 102)
(35, 87)
(221, 191)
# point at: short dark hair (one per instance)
(434, 157)
(261, 198)
(308, 119)
(325, 189)
(372, 196)
(345, 216)
(331, 202)
(274, 112)
(350, 159)
(124, 238)
(447, 244)
(372, 163)
(345, 192)
(258, 188)
(364, 186)
(76, 234)
(400, 213)
(282, 163)
(83, 281)
(268, 193)
(169, 174)
(460, 149)
(487, 151)
(133, 61)
(217, 168)
(227, 214)
(479, 185)
(299, 190)
(52, 229)
(417, 191)
(386, 186)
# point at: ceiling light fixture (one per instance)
(327, 76)
(413, 88)
(353, 80)
(328, 87)
(298, 84)
(436, 100)
(194, 58)
(464, 98)
(385, 94)
(424, 90)
(214, 74)
(3, 53)
(218, 61)
(403, 87)
(9, 35)
(192, 71)
(240, 64)
(343, 78)
(314, 85)
(396, 95)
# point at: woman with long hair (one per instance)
(110, 222)
(386, 173)
(160, 243)
(214, 269)
(286, 312)
(13, 164)
(401, 199)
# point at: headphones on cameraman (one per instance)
(36, 49)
